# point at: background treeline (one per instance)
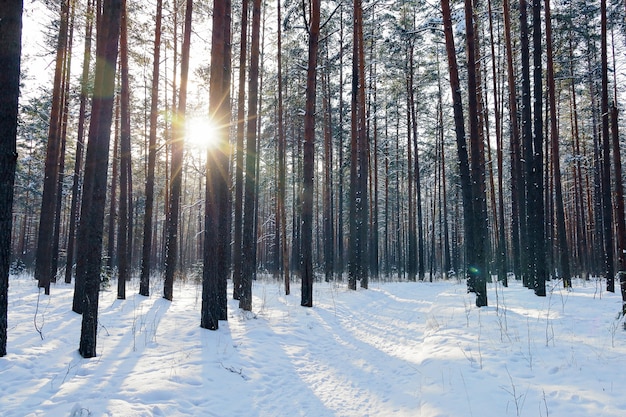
(537, 195)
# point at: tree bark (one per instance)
(239, 157)
(607, 207)
(43, 264)
(123, 222)
(306, 299)
(10, 53)
(80, 145)
(281, 157)
(217, 209)
(459, 125)
(564, 258)
(477, 234)
(146, 248)
(178, 133)
(248, 236)
(92, 208)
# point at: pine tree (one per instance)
(10, 52)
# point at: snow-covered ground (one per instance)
(397, 349)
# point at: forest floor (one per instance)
(397, 349)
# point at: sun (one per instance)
(201, 133)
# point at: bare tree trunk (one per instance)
(110, 258)
(10, 52)
(358, 171)
(607, 207)
(123, 223)
(239, 148)
(248, 236)
(281, 158)
(146, 248)
(329, 232)
(464, 169)
(92, 207)
(518, 218)
(217, 209)
(527, 146)
(477, 233)
(564, 259)
(178, 130)
(501, 247)
(80, 145)
(306, 299)
(43, 265)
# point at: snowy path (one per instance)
(397, 349)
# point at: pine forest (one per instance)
(234, 144)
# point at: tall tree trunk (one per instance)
(501, 247)
(518, 210)
(536, 187)
(10, 52)
(239, 157)
(411, 259)
(178, 133)
(92, 207)
(308, 166)
(67, 64)
(564, 259)
(363, 141)
(329, 232)
(358, 170)
(619, 191)
(217, 209)
(111, 234)
(607, 207)
(282, 213)
(146, 247)
(248, 236)
(123, 222)
(464, 168)
(340, 158)
(43, 262)
(527, 146)
(80, 145)
(477, 234)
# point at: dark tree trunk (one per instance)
(146, 248)
(178, 133)
(67, 64)
(329, 232)
(123, 222)
(411, 257)
(110, 260)
(281, 158)
(80, 146)
(464, 168)
(359, 161)
(43, 263)
(477, 234)
(564, 258)
(501, 247)
(10, 52)
(518, 219)
(536, 187)
(619, 205)
(239, 156)
(248, 236)
(527, 252)
(308, 166)
(92, 208)
(607, 207)
(340, 159)
(217, 210)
